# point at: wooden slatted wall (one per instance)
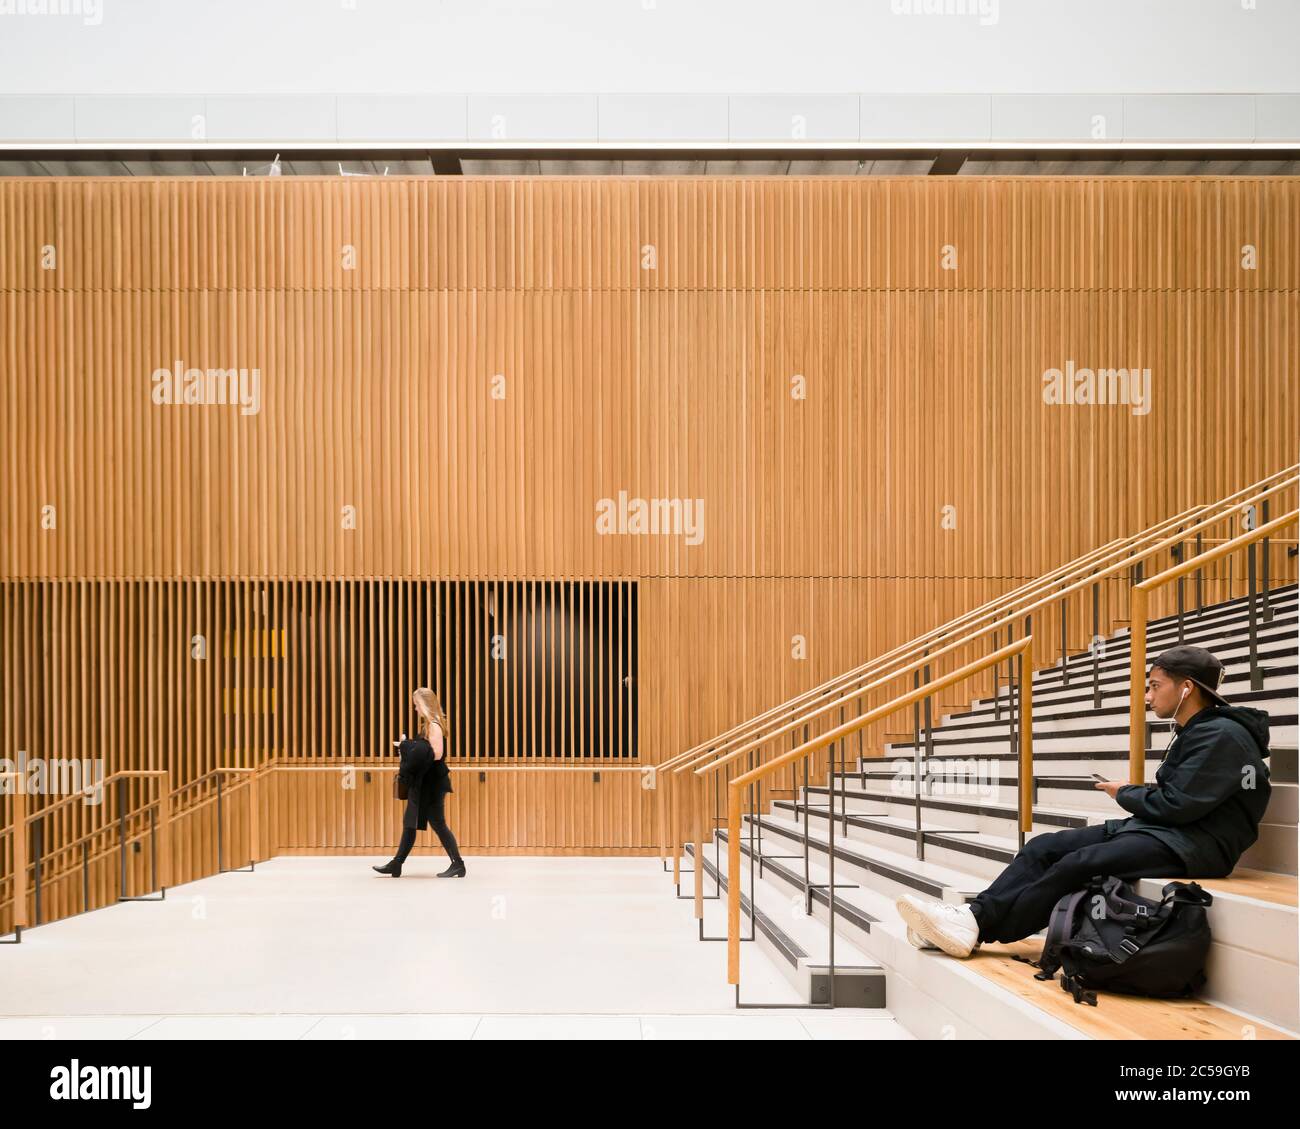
(454, 373)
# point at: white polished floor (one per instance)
(324, 948)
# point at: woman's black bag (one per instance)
(1108, 936)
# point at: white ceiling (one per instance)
(34, 165)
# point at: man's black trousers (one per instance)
(1020, 901)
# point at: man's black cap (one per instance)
(1197, 664)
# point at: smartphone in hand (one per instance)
(1098, 776)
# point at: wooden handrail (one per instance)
(180, 788)
(1231, 545)
(167, 800)
(1018, 613)
(93, 834)
(1087, 560)
(163, 801)
(141, 773)
(1275, 540)
(861, 691)
(1023, 647)
(829, 686)
(694, 758)
(668, 821)
(254, 810)
(136, 773)
(1231, 501)
(1218, 511)
(1137, 713)
(18, 821)
(391, 766)
(22, 818)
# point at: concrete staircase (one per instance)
(968, 806)
(793, 941)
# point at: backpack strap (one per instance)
(1063, 914)
(1175, 893)
(1081, 994)
(1188, 892)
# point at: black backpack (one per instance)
(1108, 936)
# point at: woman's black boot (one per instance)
(455, 870)
(392, 867)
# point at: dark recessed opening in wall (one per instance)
(536, 670)
(540, 669)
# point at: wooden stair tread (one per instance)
(1263, 885)
(1115, 1016)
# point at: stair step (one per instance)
(1277, 667)
(890, 865)
(1055, 817)
(1081, 739)
(968, 820)
(927, 994)
(799, 944)
(1282, 762)
(1253, 964)
(1277, 696)
(1275, 648)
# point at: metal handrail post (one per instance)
(1096, 646)
(916, 769)
(735, 789)
(38, 848)
(1252, 628)
(1267, 603)
(121, 824)
(1065, 651)
(830, 852)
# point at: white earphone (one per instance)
(1173, 717)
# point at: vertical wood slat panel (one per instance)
(155, 695)
(672, 381)
(377, 379)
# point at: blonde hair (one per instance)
(428, 709)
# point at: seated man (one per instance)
(1196, 820)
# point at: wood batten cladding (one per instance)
(198, 675)
(379, 449)
(454, 374)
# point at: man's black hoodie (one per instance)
(1210, 793)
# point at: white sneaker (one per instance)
(917, 941)
(952, 928)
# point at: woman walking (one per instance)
(424, 773)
